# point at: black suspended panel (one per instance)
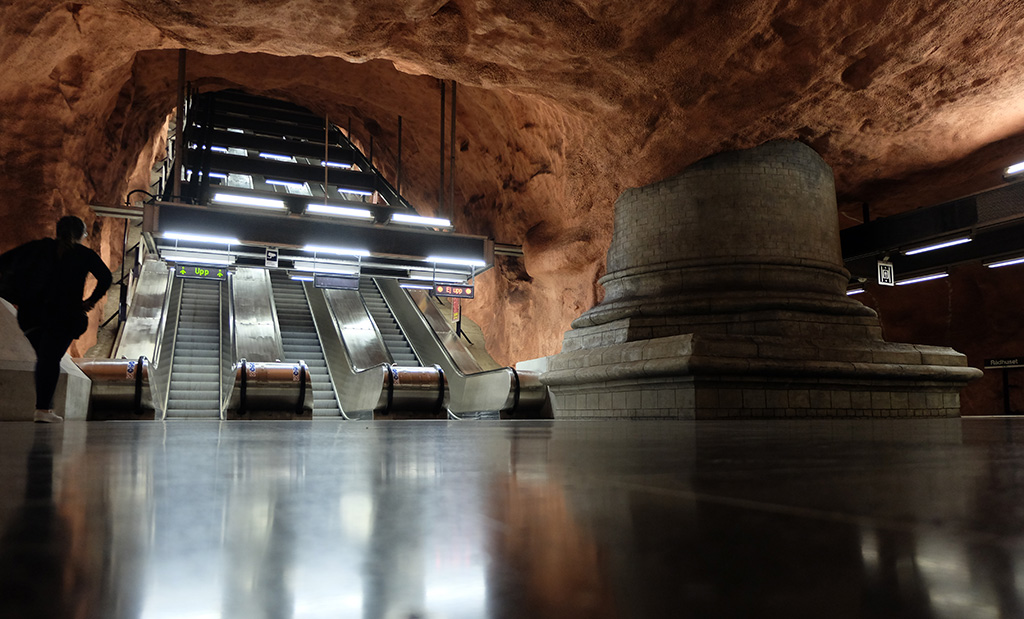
(243, 97)
(256, 228)
(246, 110)
(283, 170)
(908, 229)
(260, 126)
(296, 148)
(987, 245)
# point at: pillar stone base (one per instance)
(696, 376)
(725, 298)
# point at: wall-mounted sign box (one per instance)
(336, 282)
(1011, 362)
(458, 291)
(200, 271)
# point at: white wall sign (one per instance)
(886, 275)
(271, 260)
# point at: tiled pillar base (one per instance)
(750, 377)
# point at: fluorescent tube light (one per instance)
(218, 149)
(290, 185)
(923, 278)
(356, 192)
(193, 257)
(201, 238)
(1004, 263)
(340, 211)
(318, 267)
(416, 287)
(301, 278)
(853, 291)
(277, 157)
(218, 175)
(1016, 168)
(437, 278)
(228, 198)
(921, 250)
(337, 251)
(336, 164)
(469, 262)
(421, 221)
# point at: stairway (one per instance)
(300, 341)
(195, 367)
(394, 340)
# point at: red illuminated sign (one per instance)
(459, 291)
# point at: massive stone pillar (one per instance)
(725, 298)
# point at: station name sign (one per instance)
(198, 271)
(458, 291)
(1011, 362)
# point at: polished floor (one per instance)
(477, 519)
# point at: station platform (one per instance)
(469, 519)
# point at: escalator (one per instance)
(196, 366)
(394, 340)
(300, 341)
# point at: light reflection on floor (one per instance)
(199, 519)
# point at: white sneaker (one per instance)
(48, 417)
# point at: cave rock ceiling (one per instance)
(561, 105)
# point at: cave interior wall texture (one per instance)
(562, 106)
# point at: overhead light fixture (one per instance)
(319, 267)
(355, 192)
(218, 175)
(218, 149)
(416, 287)
(853, 291)
(337, 251)
(195, 257)
(429, 277)
(469, 262)
(288, 184)
(228, 198)
(1004, 263)
(276, 157)
(339, 211)
(420, 221)
(1014, 170)
(201, 238)
(923, 278)
(940, 245)
(301, 278)
(336, 164)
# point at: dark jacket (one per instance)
(47, 285)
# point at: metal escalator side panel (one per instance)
(228, 335)
(163, 361)
(460, 355)
(257, 332)
(142, 326)
(358, 360)
(483, 392)
(330, 342)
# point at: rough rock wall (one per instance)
(562, 105)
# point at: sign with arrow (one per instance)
(200, 271)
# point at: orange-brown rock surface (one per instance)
(561, 105)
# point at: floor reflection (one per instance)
(509, 520)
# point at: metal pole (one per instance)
(327, 127)
(398, 189)
(451, 164)
(179, 127)
(1006, 391)
(440, 185)
(371, 152)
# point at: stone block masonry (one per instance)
(725, 299)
